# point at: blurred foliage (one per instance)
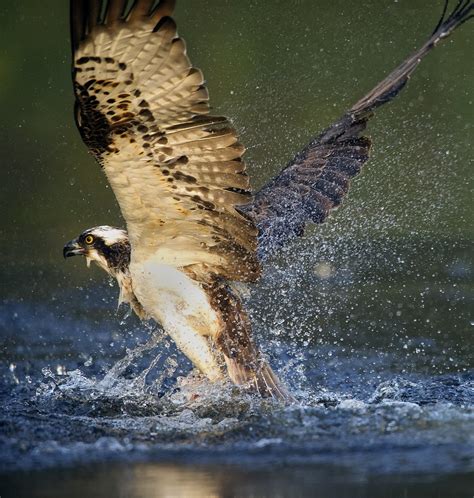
(282, 70)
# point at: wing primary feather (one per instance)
(389, 87)
(140, 8)
(163, 8)
(151, 8)
(443, 14)
(317, 178)
(93, 14)
(115, 11)
(165, 22)
(78, 20)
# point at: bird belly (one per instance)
(182, 307)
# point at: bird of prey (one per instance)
(194, 229)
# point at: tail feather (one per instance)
(245, 365)
(258, 378)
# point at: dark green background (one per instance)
(282, 70)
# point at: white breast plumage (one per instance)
(182, 307)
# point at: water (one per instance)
(203, 481)
(393, 412)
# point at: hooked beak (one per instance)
(72, 248)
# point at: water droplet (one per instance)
(61, 370)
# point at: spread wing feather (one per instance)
(318, 177)
(143, 111)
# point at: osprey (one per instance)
(193, 227)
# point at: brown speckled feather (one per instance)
(245, 364)
(143, 111)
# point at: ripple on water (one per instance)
(76, 418)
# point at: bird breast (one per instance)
(182, 307)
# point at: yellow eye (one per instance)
(89, 239)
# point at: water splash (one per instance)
(365, 348)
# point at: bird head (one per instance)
(109, 247)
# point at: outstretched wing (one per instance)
(143, 111)
(317, 178)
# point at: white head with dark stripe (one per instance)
(108, 246)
